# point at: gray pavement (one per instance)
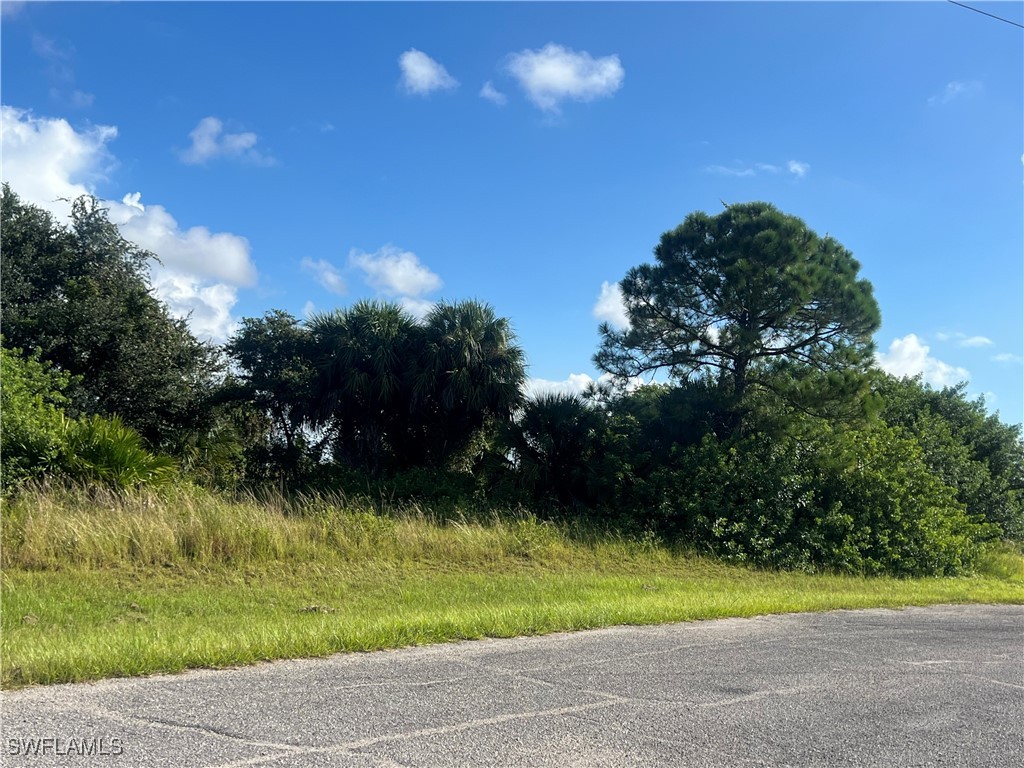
(916, 687)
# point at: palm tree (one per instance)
(556, 444)
(395, 393)
(364, 355)
(470, 372)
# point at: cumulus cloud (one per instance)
(574, 384)
(326, 274)
(45, 159)
(910, 356)
(206, 305)
(609, 307)
(493, 95)
(956, 89)
(199, 272)
(421, 75)
(395, 272)
(209, 141)
(418, 308)
(555, 73)
(219, 256)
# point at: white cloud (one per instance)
(964, 340)
(957, 89)
(199, 271)
(723, 170)
(798, 168)
(422, 75)
(219, 256)
(308, 309)
(45, 159)
(326, 274)
(1007, 357)
(910, 356)
(574, 384)
(976, 341)
(418, 308)
(209, 142)
(609, 307)
(206, 305)
(554, 73)
(395, 272)
(795, 167)
(493, 95)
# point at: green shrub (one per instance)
(973, 452)
(106, 450)
(31, 434)
(858, 500)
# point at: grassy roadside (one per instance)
(97, 588)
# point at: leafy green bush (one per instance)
(858, 500)
(106, 450)
(38, 440)
(31, 434)
(973, 452)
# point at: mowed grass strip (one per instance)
(213, 598)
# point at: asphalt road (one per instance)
(917, 687)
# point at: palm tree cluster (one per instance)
(377, 390)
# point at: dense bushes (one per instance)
(795, 491)
(37, 439)
(31, 421)
(860, 500)
(972, 451)
(789, 455)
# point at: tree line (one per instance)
(770, 438)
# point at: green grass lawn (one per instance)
(133, 609)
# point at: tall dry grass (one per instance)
(47, 528)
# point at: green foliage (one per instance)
(763, 449)
(557, 447)
(40, 442)
(740, 296)
(363, 391)
(31, 422)
(80, 295)
(107, 451)
(393, 393)
(852, 500)
(470, 372)
(277, 370)
(973, 452)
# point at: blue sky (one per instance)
(302, 156)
